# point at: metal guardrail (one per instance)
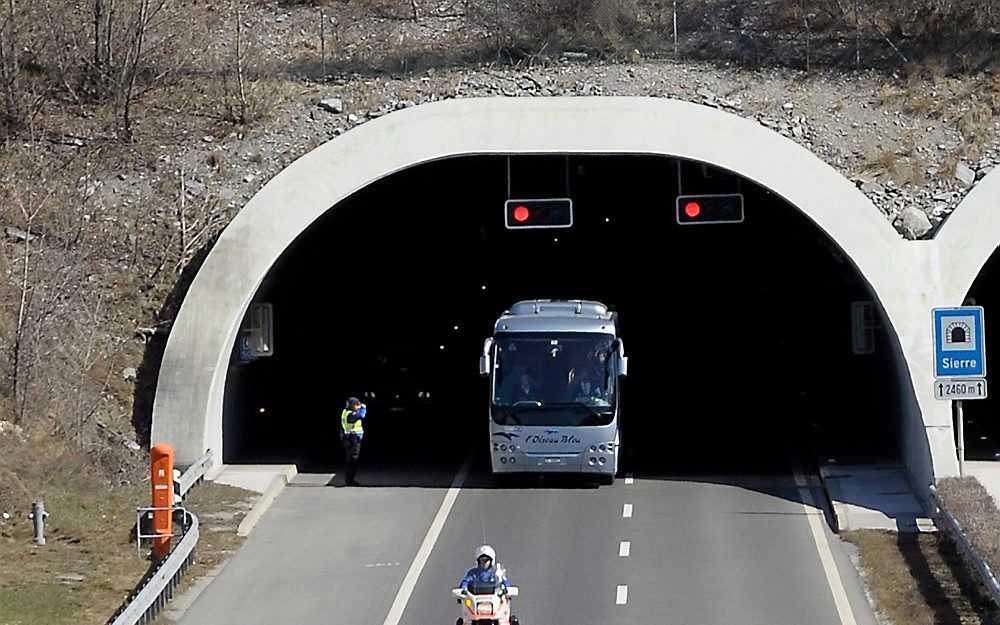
(195, 473)
(953, 527)
(157, 587)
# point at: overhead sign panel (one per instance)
(959, 342)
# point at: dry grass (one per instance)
(977, 513)
(902, 167)
(970, 104)
(920, 579)
(88, 565)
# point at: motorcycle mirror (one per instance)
(512, 591)
(457, 593)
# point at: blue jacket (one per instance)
(483, 581)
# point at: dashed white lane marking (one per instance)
(627, 511)
(833, 579)
(624, 549)
(621, 595)
(419, 560)
(629, 479)
(380, 564)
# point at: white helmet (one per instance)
(486, 550)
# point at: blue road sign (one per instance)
(959, 342)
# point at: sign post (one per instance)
(959, 362)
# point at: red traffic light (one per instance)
(711, 208)
(538, 213)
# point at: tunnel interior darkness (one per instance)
(982, 431)
(739, 335)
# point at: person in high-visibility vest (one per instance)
(352, 430)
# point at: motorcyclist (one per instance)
(487, 576)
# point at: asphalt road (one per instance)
(707, 551)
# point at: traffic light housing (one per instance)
(543, 213)
(710, 209)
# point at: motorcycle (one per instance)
(485, 608)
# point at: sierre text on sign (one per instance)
(958, 363)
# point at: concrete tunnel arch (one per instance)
(188, 406)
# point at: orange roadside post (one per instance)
(162, 462)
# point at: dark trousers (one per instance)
(352, 449)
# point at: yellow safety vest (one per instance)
(350, 428)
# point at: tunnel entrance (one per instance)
(982, 432)
(742, 337)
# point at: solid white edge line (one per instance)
(624, 549)
(833, 578)
(627, 511)
(621, 595)
(419, 560)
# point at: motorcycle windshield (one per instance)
(482, 588)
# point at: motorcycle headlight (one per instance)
(484, 607)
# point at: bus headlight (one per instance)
(602, 447)
(602, 460)
(503, 447)
(593, 448)
(593, 461)
(503, 459)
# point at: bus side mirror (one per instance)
(484, 360)
(622, 359)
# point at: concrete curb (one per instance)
(264, 502)
(837, 510)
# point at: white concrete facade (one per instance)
(906, 277)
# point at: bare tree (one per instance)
(17, 373)
(104, 21)
(145, 12)
(10, 69)
(240, 115)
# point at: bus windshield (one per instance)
(554, 379)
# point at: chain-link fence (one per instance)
(801, 34)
